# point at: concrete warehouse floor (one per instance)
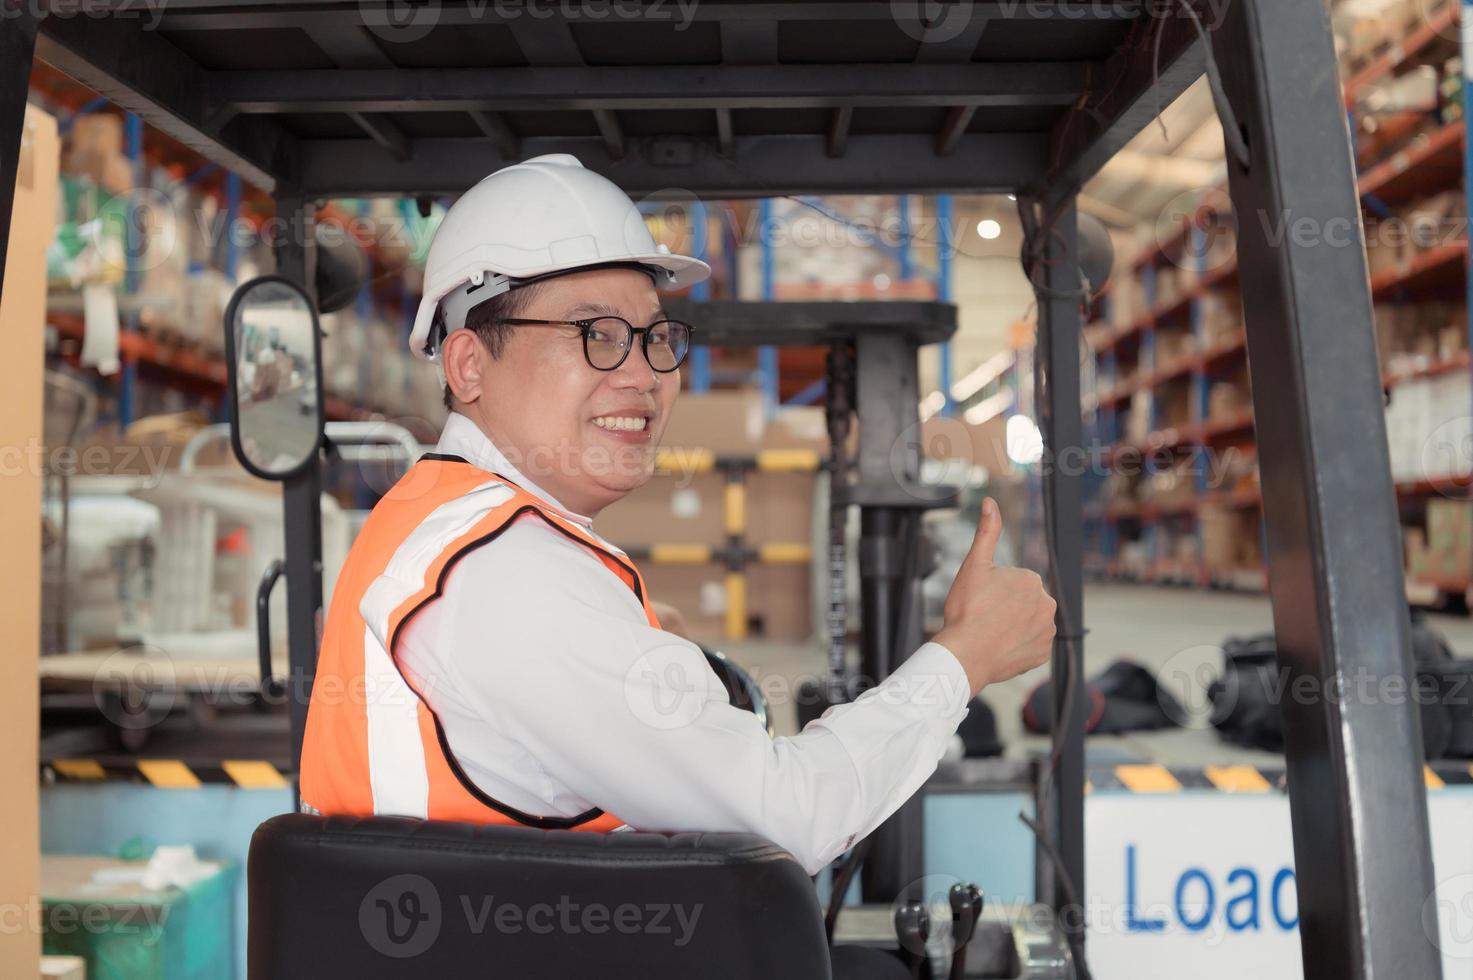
(1175, 632)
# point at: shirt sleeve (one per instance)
(553, 651)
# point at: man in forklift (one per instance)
(488, 657)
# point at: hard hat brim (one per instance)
(680, 271)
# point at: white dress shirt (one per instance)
(557, 696)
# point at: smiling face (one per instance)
(586, 436)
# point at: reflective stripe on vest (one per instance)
(372, 745)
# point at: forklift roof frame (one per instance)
(747, 99)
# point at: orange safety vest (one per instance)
(372, 745)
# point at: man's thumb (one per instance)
(989, 529)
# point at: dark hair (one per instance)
(485, 319)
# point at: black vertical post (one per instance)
(887, 400)
(17, 46)
(1359, 809)
(879, 571)
(1058, 406)
(296, 259)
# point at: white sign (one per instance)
(1201, 886)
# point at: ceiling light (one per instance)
(1023, 440)
(988, 228)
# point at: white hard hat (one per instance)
(543, 216)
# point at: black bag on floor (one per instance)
(978, 729)
(1124, 697)
(1246, 697)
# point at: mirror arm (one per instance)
(263, 624)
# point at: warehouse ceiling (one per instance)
(361, 97)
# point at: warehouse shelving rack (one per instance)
(163, 356)
(1433, 162)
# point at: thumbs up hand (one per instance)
(999, 622)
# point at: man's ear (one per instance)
(460, 355)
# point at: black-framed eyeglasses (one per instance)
(607, 340)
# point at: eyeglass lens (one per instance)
(607, 341)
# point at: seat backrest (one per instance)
(389, 897)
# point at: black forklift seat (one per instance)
(389, 897)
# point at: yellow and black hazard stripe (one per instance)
(783, 553)
(1150, 778)
(168, 773)
(690, 461)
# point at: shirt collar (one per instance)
(462, 437)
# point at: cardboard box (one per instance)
(779, 599)
(1388, 245)
(1097, 334)
(96, 132)
(1232, 469)
(1221, 316)
(728, 423)
(1448, 522)
(794, 427)
(1138, 419)
(1436, 220)
(696, 590)
(1226, 400)
(1449, 551)
(1173, 346)
(1451, 341)
(691, 509)
(1222, 530)
(1413, 544)
(1127, 300)
(1171, 486)
(1174, 405)
(982, 445)
(1408, 425)
(677, 508)
(22, 319)
(780, 508)
(1414, 550)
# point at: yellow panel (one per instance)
(786, 553)
(168, 774)
(79, 768)
(787, 460)
(736, 509)
(736, 606)
(1147, 779)
(680, 554)
(253, 775)
(684, 461)
(1432, 779)
(1237, 779)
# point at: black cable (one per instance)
(843, 878)
(1082, 971)
(1232, 136)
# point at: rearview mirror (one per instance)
(273, 357)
